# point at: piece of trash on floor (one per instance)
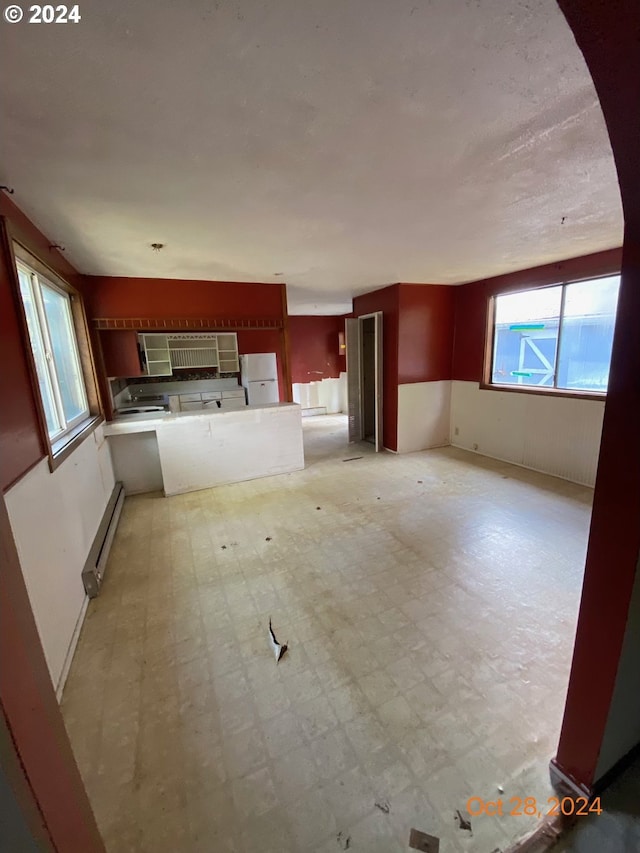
(464, 823)
(500, 789)
(268, 539)
(353, 458)
(318, 507)
(421, 841)
(343, 840)
(377, 499)
(420, 482)
(278, 650)
(224, 547)
(384, 806)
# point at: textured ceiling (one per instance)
(344, 144)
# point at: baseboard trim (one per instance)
(71, 650)
(521, 465)
(565, 784)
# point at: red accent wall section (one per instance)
(608, 34)
(387, 301)
(20, 438)
(157, 298)
(168, 298)
(425, 335)
(471, 302)
(313, 342)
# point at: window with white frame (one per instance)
(55, 351)
(557, 337)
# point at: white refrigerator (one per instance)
(259, 374)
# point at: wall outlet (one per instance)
(456, 431)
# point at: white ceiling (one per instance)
(345, 144)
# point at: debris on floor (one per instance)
(421, 841)
(278, 650)
(318, 507)
(384, 806)
(343, 840)
(420, 482)
(353, 458)
(464, 823)
(500, 789)
(268, 539)
(224, 547)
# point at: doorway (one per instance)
(364, 378)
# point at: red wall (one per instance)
(425, 335)
(471, 301)
(608, 33)
(387, 301)
(20, 438)
(159, 298)
(313, 343)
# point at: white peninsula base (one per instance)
(198, 450)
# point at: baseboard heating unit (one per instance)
(94, 568)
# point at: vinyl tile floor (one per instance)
(429, 602)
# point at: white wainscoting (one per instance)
(54, 518)
(556, 435)
(328, 394)
(423, 415)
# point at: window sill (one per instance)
(64, 447)
(545, 392)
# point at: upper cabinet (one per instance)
(121, 353)
(165, 353)
(156, 355)
(228, 353)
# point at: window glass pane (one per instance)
(44, 381)
(587, 334)
(526, 337)
(65, 354)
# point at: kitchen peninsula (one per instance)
(181, 452)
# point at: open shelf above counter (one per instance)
(165, 353)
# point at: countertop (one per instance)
(149, 421)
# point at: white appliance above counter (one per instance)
(259, 375)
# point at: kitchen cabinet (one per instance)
(120, 352)
(157, 355)
(162, 354)
(228, 353)
(202, 400)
